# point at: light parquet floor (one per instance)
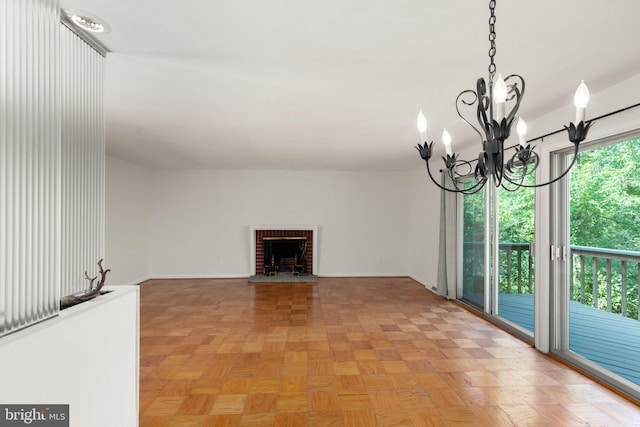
(347, 352)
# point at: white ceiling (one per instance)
(335, 84)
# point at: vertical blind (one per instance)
(29, 162)
(51, 162)
(82, 162)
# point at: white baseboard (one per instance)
(199, 276)
(131, 283)
(137, 282)
(362, 275)
(424, 283)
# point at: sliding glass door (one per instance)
(593, 264)
(515, 281)
(597, 253)
(497, 228)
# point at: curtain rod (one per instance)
(541, 138)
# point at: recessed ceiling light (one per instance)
(87, 24)
(86, 21)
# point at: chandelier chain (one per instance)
(492, 39)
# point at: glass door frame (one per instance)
(460, 246)
(491, 261)
(558, 272)
(491, 250)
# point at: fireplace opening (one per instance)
(285, 255)
(288, 251)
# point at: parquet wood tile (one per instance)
(326, 419)
(229, 404)
(291, 419)
(346, 352)
(189, 421)
(223, 420)
(359, 418)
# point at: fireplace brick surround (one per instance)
(259, 246)
(256, 262)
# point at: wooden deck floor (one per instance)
(606, 338)
(517, 308)
(347, 352)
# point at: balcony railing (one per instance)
(606, 279)
(516, 268)
(603, 278)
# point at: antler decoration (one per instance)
(91, 280)
(93, 292)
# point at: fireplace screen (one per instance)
(285, 255)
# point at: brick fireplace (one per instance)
(304, 236)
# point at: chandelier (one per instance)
(494, 127)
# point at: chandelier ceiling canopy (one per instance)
(496, 107)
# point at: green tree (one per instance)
(605, 213)
(605, 197)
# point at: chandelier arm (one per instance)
(484, 103)
(518, 94)
(438, 184)
(460, 99)
(509, 176)
(507, 181)
(526, 157)
(558, 178)
(453, 165)
(477, 186)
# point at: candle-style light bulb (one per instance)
(521, 129)
(499, 97)
(422, 126)
(581, 99)
(446, 140)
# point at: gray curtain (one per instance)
(448, 252)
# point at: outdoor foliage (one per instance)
(605, 213)
(605, 197)
(516, 226)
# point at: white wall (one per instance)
(200, 219)
(127, 216)
(177, 223)
(87, 357)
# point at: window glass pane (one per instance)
(605, 258)
(516, 215)
(473, 249)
